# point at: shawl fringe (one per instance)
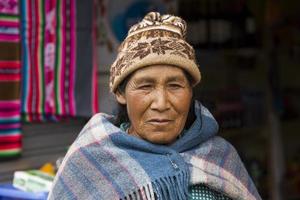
(162, 189)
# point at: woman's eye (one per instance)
(145, 87)
(175, 86)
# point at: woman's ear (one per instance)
(120, 97)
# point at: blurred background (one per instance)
(55, 57)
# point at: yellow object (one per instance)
(48, 168)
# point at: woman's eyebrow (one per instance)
(144, 80)
(148, 79)
(175, 78)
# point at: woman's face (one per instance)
(158, 99)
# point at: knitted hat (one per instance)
(157, 39)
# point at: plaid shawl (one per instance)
(106, 163)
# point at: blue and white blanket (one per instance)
(106, 163)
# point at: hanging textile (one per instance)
(59, 69)
(10, 133)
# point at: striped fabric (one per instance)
(59, 72)
(10, 133)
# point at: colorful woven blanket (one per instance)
(10, 133)
(59, 69)
(106, 163)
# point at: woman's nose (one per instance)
(160, 100)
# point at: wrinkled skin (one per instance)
(157, 99)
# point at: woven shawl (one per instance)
(106, 163)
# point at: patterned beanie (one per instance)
(157, 39)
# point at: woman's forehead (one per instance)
(158, 72)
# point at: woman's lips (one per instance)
(159, 121)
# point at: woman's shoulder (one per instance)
(95, 130)
(216, 163)
(215, 145)
(217, 151)
(95, 122)
(220, 143)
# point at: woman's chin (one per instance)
(159, 138)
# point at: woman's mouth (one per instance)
(159, 121)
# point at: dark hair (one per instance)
(122, 115)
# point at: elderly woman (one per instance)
(162, 145)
